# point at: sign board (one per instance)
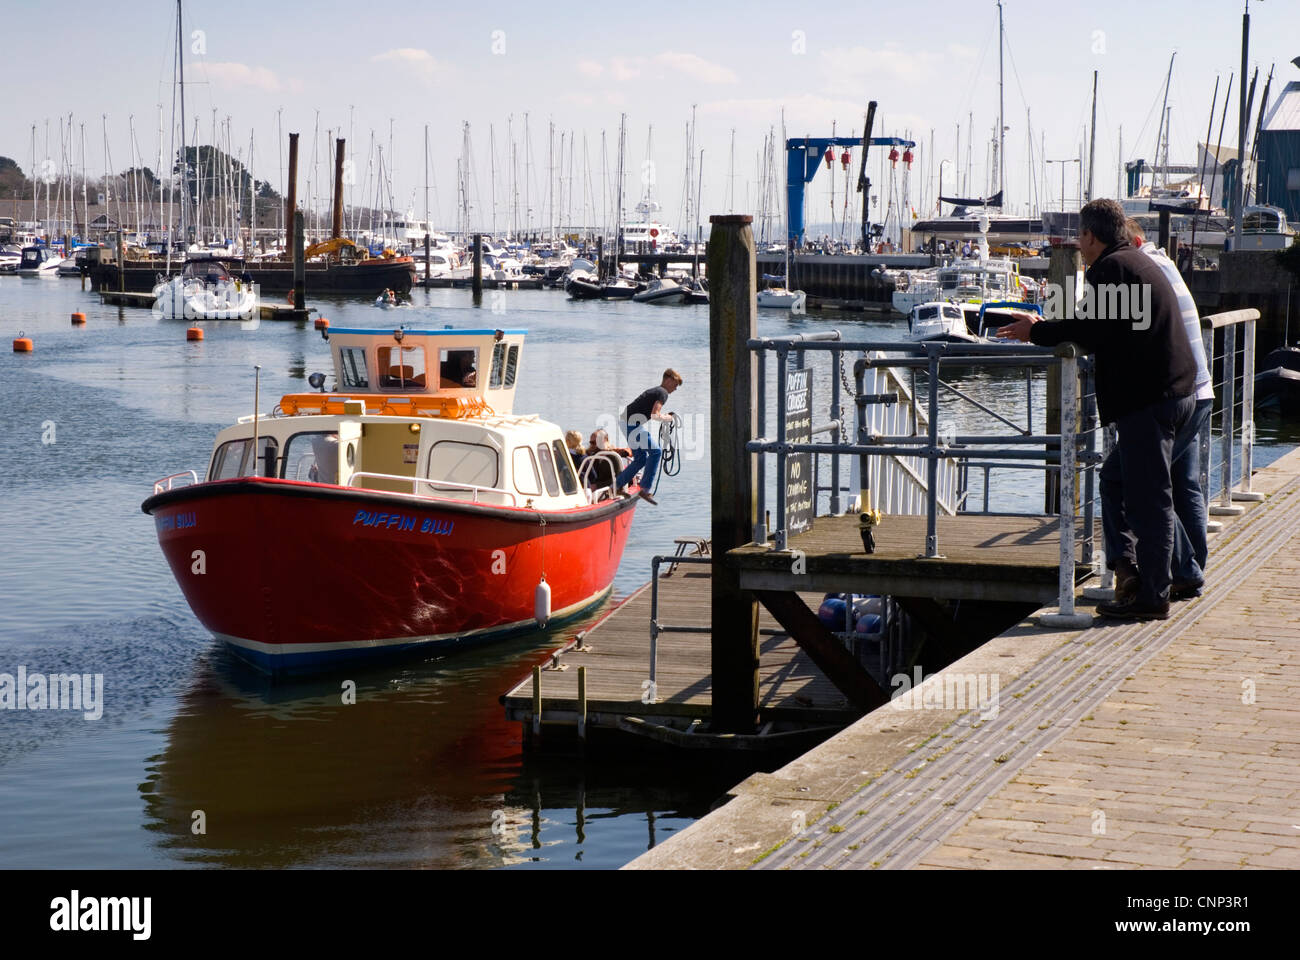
(800, 499)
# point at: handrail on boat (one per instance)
(589, 464)
(158, 485)
(433, 483)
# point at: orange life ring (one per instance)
(289, 299)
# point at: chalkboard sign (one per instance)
(799, 496)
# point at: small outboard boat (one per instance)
(661, 290)
(1277, 384)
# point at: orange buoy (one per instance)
(78, 319)
(193, 333)
(322, 323)
(23, 344)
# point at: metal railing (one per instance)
(437, 484)
(1231, 355)
(656, 627)
(1064, 453)
(166, 483)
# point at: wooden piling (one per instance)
(299, 264)
(1164, 233)
(733, 313)
(537, 700)
(121, 265)
(291, 197)
(478, 269)
(336, 226)
(582, 703)
(426, 252)
(1062, 271)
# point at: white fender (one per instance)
(542, 603)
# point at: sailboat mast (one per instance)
(185, 165)
(1002, 126)
(1161, 132)
(1092, 136)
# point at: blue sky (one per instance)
(928, 64)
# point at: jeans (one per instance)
(1137, 491)
(643, 438)
(1191, 550)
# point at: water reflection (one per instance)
(422, 770)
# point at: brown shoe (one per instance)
(1185, 589)
(645, 495)
(1126, 583)
(1132, 611)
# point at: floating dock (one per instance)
(613, 656)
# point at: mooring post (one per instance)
(478, 269)
(1062, 274)
(121, 264)
(426, 256)
(299, 264)
(600, 258)
(291, 195)
(1066, 616)
(733, 313)
(582, 703)
(537, 701)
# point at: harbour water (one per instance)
(422, 771)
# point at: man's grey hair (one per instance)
(1104, 219)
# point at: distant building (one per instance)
(1279, 154)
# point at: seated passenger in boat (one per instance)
(325, 452)
(458, 369)
(603, 472)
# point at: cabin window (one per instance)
(565, 465)
(498, 366)
(525, 470)
(952, 313)
(401, 368)
(228, 461)
(353, 362)
(548, 469)
(512, 365)
(458, 367)
(232, 459)
(313, 457)
(928, 313)
(472, 464)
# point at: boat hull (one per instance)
(303, 576)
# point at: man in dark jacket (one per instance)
(1145, 382)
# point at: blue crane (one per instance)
(803, 156)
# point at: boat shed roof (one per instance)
(1285, 114)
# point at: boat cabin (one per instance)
(1264, 228)
(426, 413)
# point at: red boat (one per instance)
(408, 509)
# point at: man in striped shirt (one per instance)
(1190, 544)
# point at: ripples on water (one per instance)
(422, 767)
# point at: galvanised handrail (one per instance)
(930, 355)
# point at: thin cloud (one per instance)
(697, 67)
(661, 66)
(412, 60)
(242, 75)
